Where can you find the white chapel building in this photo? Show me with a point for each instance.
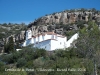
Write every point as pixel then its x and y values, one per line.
pixel 48 40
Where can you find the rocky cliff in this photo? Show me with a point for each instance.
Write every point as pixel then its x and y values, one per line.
pixel 68 16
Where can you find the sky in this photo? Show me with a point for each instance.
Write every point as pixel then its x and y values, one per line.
pixel 26 11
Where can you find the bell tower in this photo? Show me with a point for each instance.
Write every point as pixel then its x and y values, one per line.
pixel 28 34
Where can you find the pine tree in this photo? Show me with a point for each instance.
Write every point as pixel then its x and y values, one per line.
pixel 11 45
pixel 6 47
pixel 88 44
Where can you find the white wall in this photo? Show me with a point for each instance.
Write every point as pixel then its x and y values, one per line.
pixel 28 42
pixel 54 44
pixel 45 45
pixel 59 43
pixel 73 38
pixel 36 39
pixel 40 38
pixel 28 34
pixel 24 44
pixel 32 40
pixel 47 37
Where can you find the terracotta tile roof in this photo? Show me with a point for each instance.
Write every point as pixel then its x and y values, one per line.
pixel 46 40
pixel 62 36
pixel 48 33
pixel 51 33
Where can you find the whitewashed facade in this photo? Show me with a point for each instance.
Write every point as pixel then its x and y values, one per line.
pixel 48 41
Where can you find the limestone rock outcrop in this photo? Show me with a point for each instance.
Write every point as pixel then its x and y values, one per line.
pixel 67 17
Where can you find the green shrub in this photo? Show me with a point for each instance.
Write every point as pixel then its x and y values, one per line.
pixel 21 62
pixel 8 58
pixel 2 66
pixel 29 64
pixel 39 53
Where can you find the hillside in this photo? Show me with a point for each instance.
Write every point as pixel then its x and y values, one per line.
pixel 66 22
pixel 10 29
pixel 83 58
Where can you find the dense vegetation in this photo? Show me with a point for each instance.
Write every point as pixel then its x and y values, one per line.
pixel 34 58
pixel 72 61
pixel 38 58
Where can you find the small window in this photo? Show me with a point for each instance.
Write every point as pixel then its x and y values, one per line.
pixel 60 43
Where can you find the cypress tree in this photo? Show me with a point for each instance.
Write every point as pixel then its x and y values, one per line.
pixel 6 47
pixel 11 44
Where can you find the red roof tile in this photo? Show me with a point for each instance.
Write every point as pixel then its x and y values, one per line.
pixel 48 33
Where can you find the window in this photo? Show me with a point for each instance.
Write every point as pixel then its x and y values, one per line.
pixel 60 43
